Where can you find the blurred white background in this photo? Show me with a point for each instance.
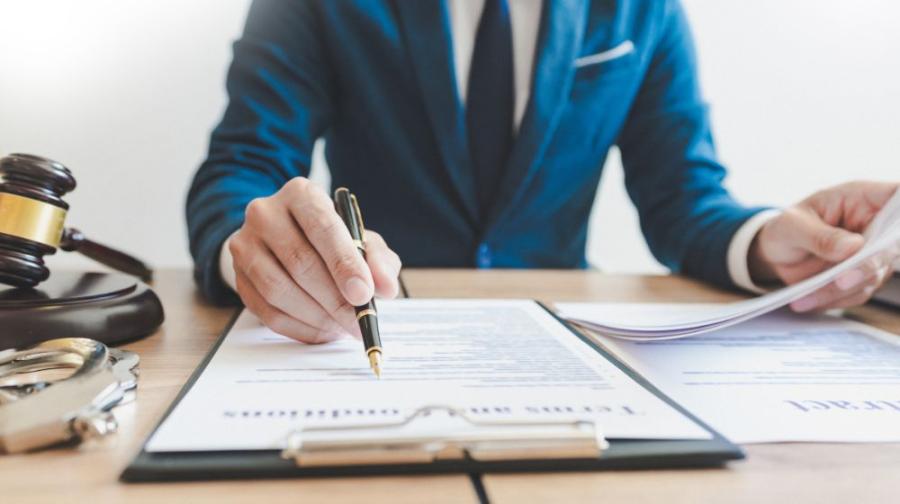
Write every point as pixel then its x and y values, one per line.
pixel 804 94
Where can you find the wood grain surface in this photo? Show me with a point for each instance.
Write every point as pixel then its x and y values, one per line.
pixel 796 473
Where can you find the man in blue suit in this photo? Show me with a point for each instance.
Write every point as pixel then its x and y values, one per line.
pixel 474 132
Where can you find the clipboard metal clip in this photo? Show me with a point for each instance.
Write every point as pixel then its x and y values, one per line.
pixel 439 432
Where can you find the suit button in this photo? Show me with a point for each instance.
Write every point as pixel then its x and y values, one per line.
pixel 483 256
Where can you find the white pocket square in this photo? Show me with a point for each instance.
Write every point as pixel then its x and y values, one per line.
pixel 623 49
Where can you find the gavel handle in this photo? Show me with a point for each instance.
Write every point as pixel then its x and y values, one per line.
pixel 74 240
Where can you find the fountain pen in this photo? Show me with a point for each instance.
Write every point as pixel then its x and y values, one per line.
pixel 367 315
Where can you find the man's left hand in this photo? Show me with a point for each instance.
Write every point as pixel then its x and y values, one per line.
pixel 818 233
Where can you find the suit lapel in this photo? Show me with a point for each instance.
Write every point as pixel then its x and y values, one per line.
pixel 559 40
pixel 426 28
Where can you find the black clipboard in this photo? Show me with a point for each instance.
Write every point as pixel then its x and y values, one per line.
pixel 258 464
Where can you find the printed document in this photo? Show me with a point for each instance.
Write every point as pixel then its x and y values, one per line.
pixel 492 359
pixel 882 234
pixel 780 377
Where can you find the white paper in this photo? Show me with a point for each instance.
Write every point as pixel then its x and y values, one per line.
pixel 494 359
pixel 780 377
pixel 882 234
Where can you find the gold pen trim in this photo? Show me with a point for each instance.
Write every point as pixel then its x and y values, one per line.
pixel 367 311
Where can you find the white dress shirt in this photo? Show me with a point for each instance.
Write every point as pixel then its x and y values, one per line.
pixel 525 18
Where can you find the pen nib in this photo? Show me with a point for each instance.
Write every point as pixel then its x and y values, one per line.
pixel 375 363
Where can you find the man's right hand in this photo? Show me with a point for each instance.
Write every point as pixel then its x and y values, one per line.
pixel 297 268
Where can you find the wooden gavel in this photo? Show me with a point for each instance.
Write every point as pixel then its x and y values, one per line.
pixel 32 223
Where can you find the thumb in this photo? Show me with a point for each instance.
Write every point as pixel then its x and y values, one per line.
pixel 827 242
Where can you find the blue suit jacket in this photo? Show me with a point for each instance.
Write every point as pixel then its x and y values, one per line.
pixel 375 78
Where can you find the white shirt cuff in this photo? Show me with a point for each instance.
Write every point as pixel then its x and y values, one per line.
pixel 226 265
pixel 739 250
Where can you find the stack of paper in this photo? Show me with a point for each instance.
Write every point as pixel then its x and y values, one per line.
pixel 779 377
pixel 882 234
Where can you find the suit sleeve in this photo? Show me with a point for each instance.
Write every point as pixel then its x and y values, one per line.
pixel 672 173
pixel 280 101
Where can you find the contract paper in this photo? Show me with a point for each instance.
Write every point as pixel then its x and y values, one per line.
pixel 780 377
pixel 882 234
pixel 492 359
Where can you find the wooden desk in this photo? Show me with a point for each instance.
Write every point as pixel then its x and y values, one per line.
pixel 802 472
pixel 89 474
pixel 799 473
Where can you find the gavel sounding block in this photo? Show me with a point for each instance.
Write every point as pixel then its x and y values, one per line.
pixel 108 307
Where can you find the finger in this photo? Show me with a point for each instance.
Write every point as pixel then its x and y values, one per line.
pixel 385 265
pixel 831 293
pixel 325 230
pixel 279 290
pixel 855 299
pixel 830 243
pixel 272 317
pixel 853 204
pixel 793 273
pixel 878 193
pixel 304 265
pixel 308 270
pixel 876 266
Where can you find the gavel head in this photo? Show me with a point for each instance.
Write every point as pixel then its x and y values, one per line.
pixel 32 215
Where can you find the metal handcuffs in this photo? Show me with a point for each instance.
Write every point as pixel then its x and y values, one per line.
pixel 37 414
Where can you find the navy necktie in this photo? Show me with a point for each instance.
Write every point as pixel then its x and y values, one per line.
pixel 490 99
